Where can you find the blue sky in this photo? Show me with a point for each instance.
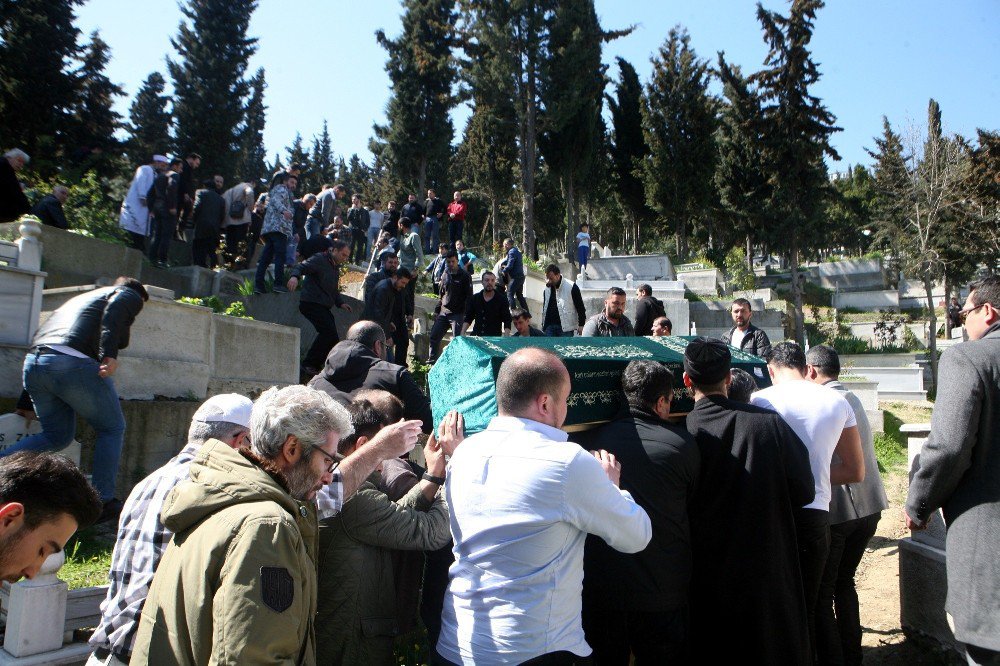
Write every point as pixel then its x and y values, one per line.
pixel 877 57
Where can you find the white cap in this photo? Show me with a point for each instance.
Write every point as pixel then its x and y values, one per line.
pixel 160 158
pixel 228 407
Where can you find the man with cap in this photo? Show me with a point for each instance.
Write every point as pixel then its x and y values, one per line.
pixel 754 473
pixel 134 216
pixel 142 536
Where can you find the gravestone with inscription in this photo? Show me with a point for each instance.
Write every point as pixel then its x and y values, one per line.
pixel 13 430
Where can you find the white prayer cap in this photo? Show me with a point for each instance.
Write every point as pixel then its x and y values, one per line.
pixel 228 407
pixel 161 158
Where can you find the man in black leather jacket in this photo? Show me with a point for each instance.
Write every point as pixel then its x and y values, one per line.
pixel 67 372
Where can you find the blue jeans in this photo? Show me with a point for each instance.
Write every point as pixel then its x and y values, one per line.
pixel 372 240
pixel 275 248
pixel 583 254
pixel 430 235
pixel 516 290
pixel 63 386
pixel 556 331
pixel 313 225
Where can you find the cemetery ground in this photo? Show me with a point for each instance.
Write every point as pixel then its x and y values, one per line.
pixel 89 557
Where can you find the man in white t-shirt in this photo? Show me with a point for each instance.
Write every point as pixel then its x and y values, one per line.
pixel 826 424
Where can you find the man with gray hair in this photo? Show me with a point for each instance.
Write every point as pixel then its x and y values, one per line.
pixel 142 536
pixel 238 581
pixel 13 203
pixel 50 209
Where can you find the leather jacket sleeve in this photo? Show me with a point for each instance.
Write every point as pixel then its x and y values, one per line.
pixel 121 311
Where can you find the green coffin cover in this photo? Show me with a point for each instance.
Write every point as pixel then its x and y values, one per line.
pixel 464 378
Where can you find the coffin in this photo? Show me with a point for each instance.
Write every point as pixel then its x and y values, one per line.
pixel 464 378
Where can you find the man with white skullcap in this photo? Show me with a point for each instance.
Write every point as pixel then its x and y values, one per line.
pixel 142 536
pixel 134 216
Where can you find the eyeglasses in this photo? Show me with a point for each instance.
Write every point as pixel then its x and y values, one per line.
pixel 334 459
pixel 964 314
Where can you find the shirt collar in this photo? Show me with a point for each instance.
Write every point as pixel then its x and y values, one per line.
pixel 513 423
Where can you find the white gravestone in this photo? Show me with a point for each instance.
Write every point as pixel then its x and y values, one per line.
pixel 13 430
pixel 37 611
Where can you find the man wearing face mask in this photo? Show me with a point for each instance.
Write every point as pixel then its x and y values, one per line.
pixel 610 322
pixel 488 309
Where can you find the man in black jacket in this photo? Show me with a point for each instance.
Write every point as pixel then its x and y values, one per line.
pixel 456 292
pixel 488 308
pixel 186 186
pixel 639 603
pixel 356 364
pixel 68 371
pixel 382 308
pixel 50 209
pixel 209 213
pixel 745 336
pixel 320 293
pixel 647 309
pixel 163 199
pixel 13 203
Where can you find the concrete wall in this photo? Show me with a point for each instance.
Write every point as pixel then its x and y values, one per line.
pixel 642 268
pixel 849 274
pixel 867 300
pixel 866 329
pixel 706 281
pixel 250 356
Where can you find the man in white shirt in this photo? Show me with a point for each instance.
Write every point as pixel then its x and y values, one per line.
pixel 523 500
pixel 826 424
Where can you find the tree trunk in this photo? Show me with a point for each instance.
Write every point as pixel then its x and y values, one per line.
pixel 947 300
pixel 682 242
pixel 635 233
pixel 749 253
pixel 932 333
pixel 495 219
pixel 799 321
pixel 528 145
pixel 570 197
pixel 422 175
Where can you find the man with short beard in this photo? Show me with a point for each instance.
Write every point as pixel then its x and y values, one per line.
pixel 488 309
pixel 610 322
pixel 44 499
pixel 238 581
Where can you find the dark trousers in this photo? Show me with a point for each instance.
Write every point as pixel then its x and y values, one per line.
pixel 436 567
pixel 516 291
pixel 360 251
pixel 138 241
pixel 400 344
pixel 980 656
pixel 236 239
pixel 812 529
pixel 441 323
pixel 203 251
pixel 275 249
pixel 653 638
pixel 164 227
pixel 455 228
pixel 838 637
pixel 322 319
pixel 561 658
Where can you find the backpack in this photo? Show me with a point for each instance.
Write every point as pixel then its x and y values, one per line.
pixel 237 208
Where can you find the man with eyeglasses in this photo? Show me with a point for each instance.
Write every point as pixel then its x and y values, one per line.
pixel 957 471
pixel 238 581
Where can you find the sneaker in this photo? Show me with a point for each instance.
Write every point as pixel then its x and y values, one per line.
pixel 111 511
pixel 280 290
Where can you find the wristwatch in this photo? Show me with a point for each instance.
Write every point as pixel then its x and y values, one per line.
pixel 433 479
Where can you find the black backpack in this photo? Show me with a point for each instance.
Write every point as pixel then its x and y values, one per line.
pixel 237 208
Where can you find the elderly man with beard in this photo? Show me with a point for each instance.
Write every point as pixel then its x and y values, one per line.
pixel 610 322
pixel 488 309
pixel 238 581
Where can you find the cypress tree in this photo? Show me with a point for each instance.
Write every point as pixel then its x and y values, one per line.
pixel 415 144
pixel 798 137
pixel 321 161
pixel 94 121
pixel 209 85
pixel 627 148
pixel 149 122
pixel 679 122
pixel 250 137
pixel 38 91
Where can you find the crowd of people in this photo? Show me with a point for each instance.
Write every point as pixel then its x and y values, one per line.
pixel 295 528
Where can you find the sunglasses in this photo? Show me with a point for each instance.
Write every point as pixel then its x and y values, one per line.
pixel 964 314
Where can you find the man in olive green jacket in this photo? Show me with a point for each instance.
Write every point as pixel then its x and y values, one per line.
pixel 357 617
pixel 237 585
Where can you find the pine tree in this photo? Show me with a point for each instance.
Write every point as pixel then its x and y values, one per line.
pixel 209 85
pixel 415 144
pixel 149 122
pixel 798 137
pixel 983 186
pixel 679 122
pixel 38 91
pixel 92 141
pixel 322 168
pixel 296 153
pixel 628 148
pixel 572 92
pixel 251 164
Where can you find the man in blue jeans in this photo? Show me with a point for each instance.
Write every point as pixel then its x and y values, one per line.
pixel 68 371
pixel 276 232
pixel 513 270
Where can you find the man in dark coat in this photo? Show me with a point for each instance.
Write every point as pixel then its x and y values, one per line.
pixel 381 309
pixel 356 364
pixel 186 186
pixel 50 209
pixel 747 601
pixel 647 309
pixel 744 335
pixel 456 292
pixel 208 214
pixel 320 293
pixel 958 470
pixel 13 203
pixel 488 309
pixel 638 603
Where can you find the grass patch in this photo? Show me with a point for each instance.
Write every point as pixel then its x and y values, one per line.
pixel 88 559
pixel 890 446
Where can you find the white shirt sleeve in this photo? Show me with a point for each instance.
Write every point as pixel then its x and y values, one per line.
pixel 851 420
pixel 597 506
pixel 330 498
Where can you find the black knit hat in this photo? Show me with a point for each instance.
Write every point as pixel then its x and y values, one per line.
pixel 707 361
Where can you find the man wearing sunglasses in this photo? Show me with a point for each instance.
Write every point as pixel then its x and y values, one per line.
pixel 958 469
